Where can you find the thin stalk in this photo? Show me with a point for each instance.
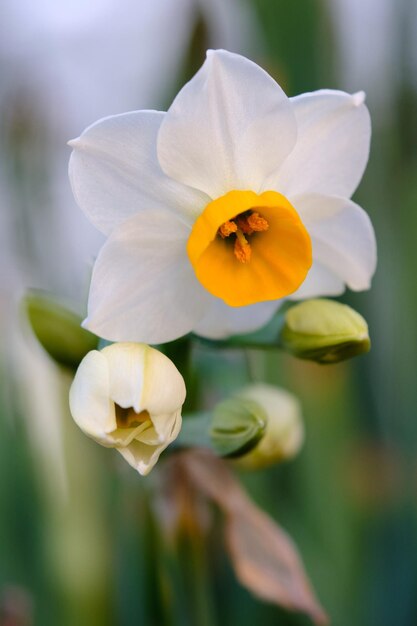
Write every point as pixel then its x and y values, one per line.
pixel 197 580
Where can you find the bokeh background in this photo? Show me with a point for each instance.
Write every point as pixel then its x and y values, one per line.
pixel 77 543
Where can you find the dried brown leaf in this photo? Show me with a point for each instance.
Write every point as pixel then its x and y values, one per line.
pixel 265 559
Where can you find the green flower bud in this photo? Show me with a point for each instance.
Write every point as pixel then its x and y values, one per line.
pixel 232 428
pixel 284 432
pixel 237 425
pixel 325 331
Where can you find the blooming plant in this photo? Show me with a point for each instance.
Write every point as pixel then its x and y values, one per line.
pixel 234 202
pixel 234 199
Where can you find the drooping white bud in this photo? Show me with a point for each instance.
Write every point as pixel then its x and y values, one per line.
pixel 129 396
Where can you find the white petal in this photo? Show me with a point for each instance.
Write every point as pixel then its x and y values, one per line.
pixel 332 148
pixel 150 436
pixel 168 426
pixel 114 171
pixel 89 400
pixel 229 128
pixel 164 430
pixel 126 365
pixel 141 456
pixel 342 236
pixel 122 437
pixel 164 388
pixel 222 321
pixel 320 281
pixel 143 286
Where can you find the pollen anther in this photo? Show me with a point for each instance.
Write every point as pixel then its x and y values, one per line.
pixel 243 224
pixel 256 222
pixel 227 229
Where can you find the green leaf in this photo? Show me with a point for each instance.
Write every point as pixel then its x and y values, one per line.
pixel 58 329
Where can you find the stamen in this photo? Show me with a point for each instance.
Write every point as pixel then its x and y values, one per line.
pixel 245 223
pixel 227 229
pixel 257 223
pixel 242 248
pixel 252 223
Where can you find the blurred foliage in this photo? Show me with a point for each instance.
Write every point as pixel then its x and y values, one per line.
pixel 96 556
pixel 58 329
pixel 296 43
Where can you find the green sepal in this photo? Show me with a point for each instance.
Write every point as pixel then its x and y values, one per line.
pixel 58 329
pixel 238 424
pixel 232 429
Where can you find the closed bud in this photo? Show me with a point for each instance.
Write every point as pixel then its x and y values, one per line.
pixel 237 425
pixel 129 396
pixel 58 329
pixel 284 429
pixel 324 331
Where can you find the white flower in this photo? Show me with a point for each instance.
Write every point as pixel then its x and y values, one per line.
pixel 235 198
pixel 129 396
pixel 284 433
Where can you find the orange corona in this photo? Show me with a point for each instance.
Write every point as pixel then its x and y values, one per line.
pixel 247 247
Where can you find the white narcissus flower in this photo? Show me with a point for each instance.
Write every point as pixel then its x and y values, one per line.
pixel 235 198
pixel 284 432
pixel 129 396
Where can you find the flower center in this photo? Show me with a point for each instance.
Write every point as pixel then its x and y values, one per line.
pixel 128 418
pixel 247 248
pixel 246 223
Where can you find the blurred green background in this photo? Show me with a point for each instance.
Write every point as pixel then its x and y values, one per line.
pixel 78 544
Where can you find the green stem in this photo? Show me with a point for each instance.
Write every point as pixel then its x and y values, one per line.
pixel 178 579
pixel 267 338
pixel 197 578
pixel 195 431
pixel 160 596
pixel 180 352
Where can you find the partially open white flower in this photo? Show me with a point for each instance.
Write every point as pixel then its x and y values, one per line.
pixel 235 198
pixel 129 396
pixel 284 432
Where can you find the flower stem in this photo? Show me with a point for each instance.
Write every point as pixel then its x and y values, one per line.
pixel 180 352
